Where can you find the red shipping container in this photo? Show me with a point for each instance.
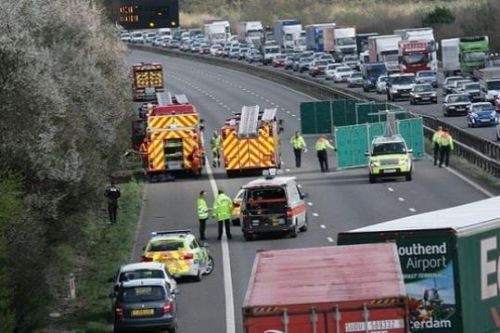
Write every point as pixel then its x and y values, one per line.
pixel 343 289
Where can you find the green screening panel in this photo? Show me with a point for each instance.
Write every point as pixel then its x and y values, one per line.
pixel 352 143
pixel 344 112
pixel 413 133
pixel 316 117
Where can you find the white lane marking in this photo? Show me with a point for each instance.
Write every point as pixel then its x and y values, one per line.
pixel 299 186
pixel 293 115
pixel 390 189
pixel 322 226
pixel 315 214
pixel 413 210
pixel 471 182
pixel 226 264
pixel 310 203
pixel 287 170
pixel 330 239
pixel 401 199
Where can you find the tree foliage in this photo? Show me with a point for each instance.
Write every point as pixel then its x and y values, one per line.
pixel 63 88
pixel 440 15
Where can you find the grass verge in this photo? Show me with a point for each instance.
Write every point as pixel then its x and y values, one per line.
pixel 111 249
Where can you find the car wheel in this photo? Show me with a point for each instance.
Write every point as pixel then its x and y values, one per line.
pixel 305 226
pixel 408 176
pixel 210 266
pixel 247 236
pixel 172 330
pixel 197 278
pixel 293 232
pixel 116 329
pixel 372 178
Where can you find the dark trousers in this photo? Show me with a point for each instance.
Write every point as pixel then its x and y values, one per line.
pixel 216 159
pixel 227 226
pixel 323 160
pixel 203 225
pixel 297 153
pixel 436 154
pixel 112 211
pixel 444 155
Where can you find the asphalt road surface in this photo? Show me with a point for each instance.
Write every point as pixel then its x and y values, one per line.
pixel 338 201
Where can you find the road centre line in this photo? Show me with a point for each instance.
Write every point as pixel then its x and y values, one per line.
pixel 330 239
pixel 390 189
pixel 413 210
pixel 401 199
pixel 226 263
pixel 322 226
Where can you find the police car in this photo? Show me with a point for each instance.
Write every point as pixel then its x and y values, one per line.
pixel 181 252
pixel 389 157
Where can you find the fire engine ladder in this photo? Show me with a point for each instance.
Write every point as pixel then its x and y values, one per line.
pixel 269 115
pixel 164 98
pixel 181 99
pixel 249 121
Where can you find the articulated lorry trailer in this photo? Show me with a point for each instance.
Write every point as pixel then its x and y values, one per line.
pixel 385 48
pixel 335 289
pixel 450 262
pixel 464 55
pixel 315 39
pixel 340 41
pixel 286 32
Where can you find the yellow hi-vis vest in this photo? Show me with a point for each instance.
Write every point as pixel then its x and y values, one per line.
pixel 202 208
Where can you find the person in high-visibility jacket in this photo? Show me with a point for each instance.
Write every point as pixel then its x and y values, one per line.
pixel 298 145
pixel 202 211
pixel 435 143
pixel 322 144
pixel 445 147
pixel 215 145
pixel 222 209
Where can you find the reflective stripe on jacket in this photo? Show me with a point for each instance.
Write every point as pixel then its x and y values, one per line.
pixel 298 142
pixel 202 208
pixel 223 205
pixel 322 144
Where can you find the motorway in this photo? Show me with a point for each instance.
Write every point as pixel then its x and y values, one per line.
pixel 338 201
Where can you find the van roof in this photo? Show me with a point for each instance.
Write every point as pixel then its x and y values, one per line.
pixel 141 265
pixel 264 182
pixel 463 219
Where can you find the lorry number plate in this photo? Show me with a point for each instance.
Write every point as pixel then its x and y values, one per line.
pixel 374 325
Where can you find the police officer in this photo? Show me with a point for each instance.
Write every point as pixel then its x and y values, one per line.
pixel 322 144
pixel 202 211
pixel 445 146
pixel 222 213
pixel 215 145
pixel 112 193
pixel 298 144
pixel 435 142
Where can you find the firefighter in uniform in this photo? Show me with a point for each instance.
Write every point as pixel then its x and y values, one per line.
pixel 215 145
pixel 298 145
pixel 435 143
pixel 445 147
pixel 202 210
pixel 112 193
pixel 322 144
pixel 222 213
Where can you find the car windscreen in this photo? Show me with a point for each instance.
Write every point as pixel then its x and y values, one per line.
pixel 141 274
pixel 484 107
pixel 401 79
pixel 471 86
pixel 493 85
pixel 165 245
pixel 422 88
pixel 458 99
pixel 356 75
pixel 389 148
pixel 141 294
pixel 344 69
pixel 265 194
pixel 426 74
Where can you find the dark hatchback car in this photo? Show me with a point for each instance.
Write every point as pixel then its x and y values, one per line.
pixel 144 305
pixel 423 93
pixel 456 104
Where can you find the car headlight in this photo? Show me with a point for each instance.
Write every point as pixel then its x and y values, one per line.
pixel 416 95
pixel 433 94
pixel 404 160
pixel 375 164
pixel 474 115
pixel 451 107
pixel 393 91
pixel 493 114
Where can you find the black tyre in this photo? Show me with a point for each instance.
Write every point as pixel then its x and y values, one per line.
pixel 293 233
pixel 197 278
pixel 305 226
pixel 372 179
pixel 247 236
pixel 408 176
pixel 210 266
pixel 172 330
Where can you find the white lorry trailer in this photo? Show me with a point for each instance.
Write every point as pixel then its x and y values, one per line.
pixel 385 48
pixel 422 34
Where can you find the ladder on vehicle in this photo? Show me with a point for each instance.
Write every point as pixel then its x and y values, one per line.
pixel 249 121
pixel 164 98
pixel 269 115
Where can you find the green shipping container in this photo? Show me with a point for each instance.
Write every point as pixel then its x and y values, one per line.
pixel 450 260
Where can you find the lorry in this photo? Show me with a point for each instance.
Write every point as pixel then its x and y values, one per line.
pixel 217 32
pixel 371 72
pixel 169 137
pixel 362 41
pixel 315 36
pixel 420 34
pixel 385 48
pixel 414 56
pixel 449 258
pixel 269 52
pixel 250 32
pixel 340 41
pixel 489 81
pixel 147 80
pixel 250 141
pixel 335 289
pixel 449 56
pixel 286 31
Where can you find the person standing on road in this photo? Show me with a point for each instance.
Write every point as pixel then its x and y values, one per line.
pixel 112 193
pixel 298 145
pixel 322 144
pixel 445 147
pixel 215 145
pixel 222 213
pixel 435 143
pixel 202 210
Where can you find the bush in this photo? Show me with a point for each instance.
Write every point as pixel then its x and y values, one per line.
pixel 440 15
